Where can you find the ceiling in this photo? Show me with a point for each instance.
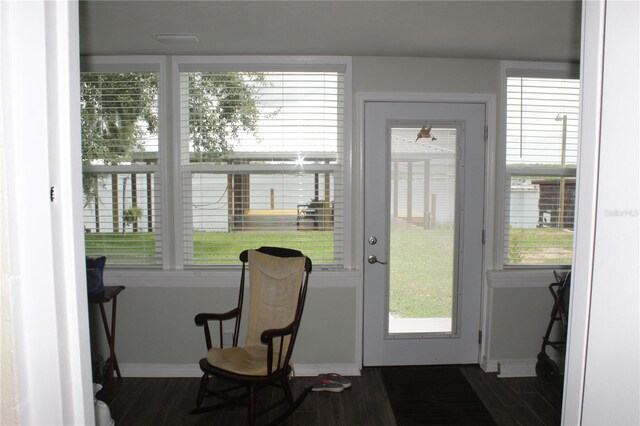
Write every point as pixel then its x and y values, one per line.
pixel 507 30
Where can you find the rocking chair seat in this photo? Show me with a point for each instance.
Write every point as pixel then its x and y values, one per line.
pixel 247 361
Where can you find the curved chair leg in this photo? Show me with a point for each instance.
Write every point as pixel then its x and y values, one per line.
pixel 252 405
pixel 287 389
pixel 204 381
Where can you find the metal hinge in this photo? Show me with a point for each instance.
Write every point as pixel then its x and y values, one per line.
pixel 479 337
pixel 486 133
pixel 484 236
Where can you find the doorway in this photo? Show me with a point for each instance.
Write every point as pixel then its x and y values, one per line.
pixel 423 224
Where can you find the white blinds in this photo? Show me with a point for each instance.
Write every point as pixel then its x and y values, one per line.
pixel 542 122
pixel 119 113
pixel 262 164
pixel 541 154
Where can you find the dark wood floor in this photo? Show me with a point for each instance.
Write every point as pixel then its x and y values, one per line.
pixel 525 401
pixel 166 401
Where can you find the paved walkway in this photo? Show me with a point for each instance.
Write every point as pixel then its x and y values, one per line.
pixel 419 325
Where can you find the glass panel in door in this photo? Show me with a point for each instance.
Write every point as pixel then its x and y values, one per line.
pixel 422 281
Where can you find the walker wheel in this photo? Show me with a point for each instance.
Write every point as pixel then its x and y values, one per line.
pixel 546 368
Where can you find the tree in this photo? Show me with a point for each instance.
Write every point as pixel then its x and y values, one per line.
pixel 112 106
pixel 220 106
pixel 118 108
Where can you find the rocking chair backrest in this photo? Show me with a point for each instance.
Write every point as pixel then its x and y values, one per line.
pixel 277 289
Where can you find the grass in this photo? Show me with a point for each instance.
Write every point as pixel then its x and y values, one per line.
pixel 209 248
pixel 421 273
pixel 540 246
pixel 224 247
pixel 131 248
pixel 421 270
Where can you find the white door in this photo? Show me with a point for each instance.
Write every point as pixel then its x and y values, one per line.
pixel 424 198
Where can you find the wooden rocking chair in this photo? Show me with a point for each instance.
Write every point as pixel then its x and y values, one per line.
pixel 278 287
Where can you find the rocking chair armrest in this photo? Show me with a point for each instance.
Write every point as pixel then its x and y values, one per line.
pixel 269 335
pixel 277 356
pixel 203 318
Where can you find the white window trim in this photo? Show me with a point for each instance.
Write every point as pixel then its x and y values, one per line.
pixel 261 63
pixel 145 63
pixel 511 69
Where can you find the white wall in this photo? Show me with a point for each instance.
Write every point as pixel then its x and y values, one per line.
pixel 42 270
pixel 602 386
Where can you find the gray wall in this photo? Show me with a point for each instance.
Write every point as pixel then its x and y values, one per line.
pixel 155 325
pixel 425 75
pixel 156 333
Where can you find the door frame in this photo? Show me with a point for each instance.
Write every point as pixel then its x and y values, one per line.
pixel 489 100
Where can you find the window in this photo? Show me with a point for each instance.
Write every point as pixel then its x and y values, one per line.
pixel 262 162
pixel 119 116
pixel 256 158
pixel 540 156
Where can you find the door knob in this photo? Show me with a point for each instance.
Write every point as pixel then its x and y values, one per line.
pixel 373 259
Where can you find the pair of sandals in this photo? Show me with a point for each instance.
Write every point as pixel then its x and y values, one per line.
pixel 330 382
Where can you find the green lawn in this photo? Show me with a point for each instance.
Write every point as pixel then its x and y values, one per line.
pixel 421 273
pixel 210 248
pixel 132 248
pixel 540 246
pixel 224 247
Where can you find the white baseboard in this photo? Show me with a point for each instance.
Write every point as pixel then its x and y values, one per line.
pixel 523 367
pixel 193 370
pixel 311 370
pixel 517 368
pixel 489 365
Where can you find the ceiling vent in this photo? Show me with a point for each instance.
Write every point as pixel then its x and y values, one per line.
pixel 177 37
